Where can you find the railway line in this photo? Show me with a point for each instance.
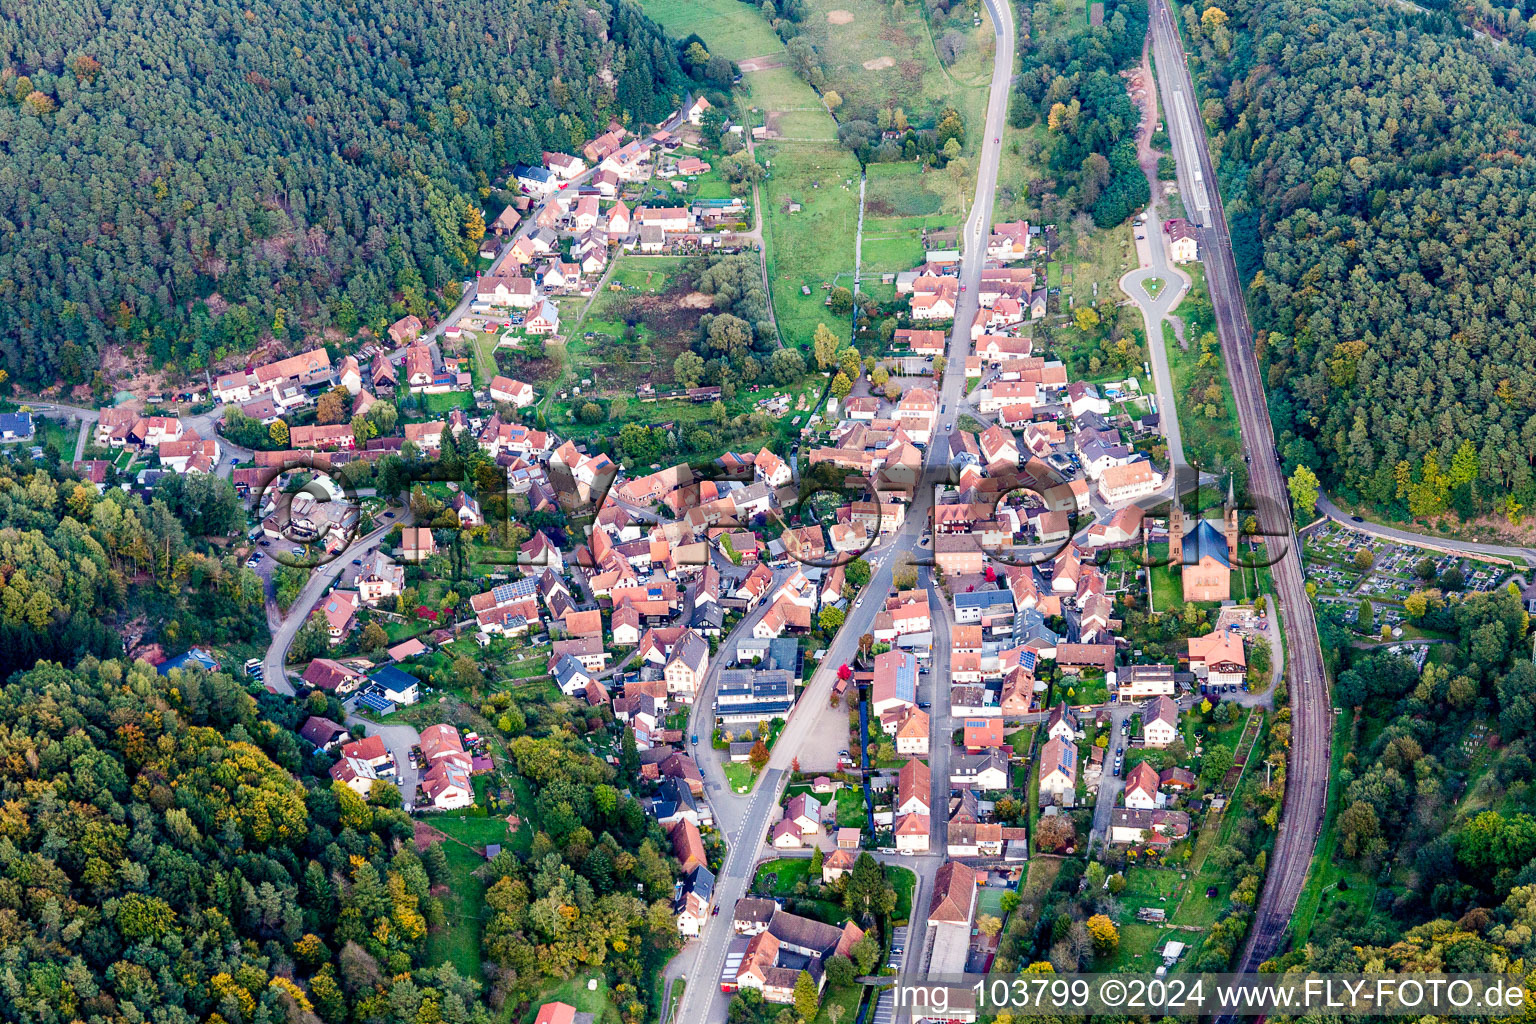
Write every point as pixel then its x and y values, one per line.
pixel 1302 813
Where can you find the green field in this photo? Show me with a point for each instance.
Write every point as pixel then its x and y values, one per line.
pixel 464 903
pixel 814 246
pixel 730 28
pixel 847 997
pixel 575 992
pixel 878 56
pixel 643 273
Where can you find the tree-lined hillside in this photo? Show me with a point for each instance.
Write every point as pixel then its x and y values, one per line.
pixel 1071 81
pixel 80 570
pixel 1379 175
pixel 292 163
pixel 158 861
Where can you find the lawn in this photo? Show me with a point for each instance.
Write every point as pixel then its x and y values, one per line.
pixel 789 872
pixel 813 247
pixel 575 992
pixel 729 28
pixel 641 273
pixel 740 775
pixel 847 997
pixel 464 902
pixel 904 882
pixel 850 808
pixel 437 405
pixel 459 942
pixel 1137 943
pixel 887 252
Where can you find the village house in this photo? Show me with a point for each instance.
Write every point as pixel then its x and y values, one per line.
pixel 1218 658
pixel 416 544
pixel 1182 245
pixel 786 946
pixel 1058 770
pixel 362 763
pixel 1160 723
pixel 515 393
pixel 380 578
pixel 1141 787
pixel 1120 484
pixel 340 611
pixel 333 677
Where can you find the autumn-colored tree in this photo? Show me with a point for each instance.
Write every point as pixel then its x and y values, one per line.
pixel 1106 937
pixel 374 638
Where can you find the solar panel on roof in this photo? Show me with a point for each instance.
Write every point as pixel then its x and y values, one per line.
pixel 374 702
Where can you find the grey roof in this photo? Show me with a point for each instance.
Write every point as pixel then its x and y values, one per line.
pixel 978 763
pixel 984 599
pixel 567 669
pixel 741 684
pixel 692 650
pixel 754 910
pixel 702 883
pixel 1205 539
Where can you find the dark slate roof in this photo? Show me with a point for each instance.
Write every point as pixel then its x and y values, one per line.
pixel 1205 539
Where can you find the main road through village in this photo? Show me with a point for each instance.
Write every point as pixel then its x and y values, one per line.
pixel 1307 769
pixel 702 1000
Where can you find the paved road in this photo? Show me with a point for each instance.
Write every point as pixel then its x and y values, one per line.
pixel 1152 254
pixel 1110 784
pixel 274 673
pixel 205 423
pixel 1307 774
pixel 729 806
pixel 1517 554
pixel 702 1001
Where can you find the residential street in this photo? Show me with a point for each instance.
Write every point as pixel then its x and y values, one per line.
pixel 1154 264
pixel 274 664
pixel 702 1001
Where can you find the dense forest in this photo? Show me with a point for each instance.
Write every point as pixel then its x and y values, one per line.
pixel 1436 814
pixel 1379 181
pixel 159 861
pixel 1072 82
pixel 79 570
pixel 190 177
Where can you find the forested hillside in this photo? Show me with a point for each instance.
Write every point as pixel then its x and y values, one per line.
pixel 1072 82
pixel 293 163
pixel 79 570
pixel 1378 173
pixel 1435 862
pixel 158 861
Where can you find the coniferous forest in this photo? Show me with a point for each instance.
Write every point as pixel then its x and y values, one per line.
pixel 183 177
pixel 1377 168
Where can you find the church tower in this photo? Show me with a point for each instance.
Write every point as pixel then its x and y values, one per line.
pixel 1231 523
pixel 1176 533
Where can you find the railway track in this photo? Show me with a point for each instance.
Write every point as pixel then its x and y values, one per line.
pixel 1302 812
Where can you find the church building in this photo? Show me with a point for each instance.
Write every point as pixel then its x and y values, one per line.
pixel 1204 553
